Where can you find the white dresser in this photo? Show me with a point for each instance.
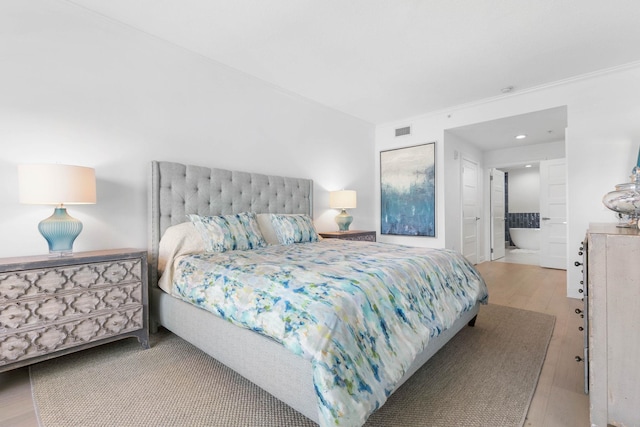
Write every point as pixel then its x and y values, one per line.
pixel 613 273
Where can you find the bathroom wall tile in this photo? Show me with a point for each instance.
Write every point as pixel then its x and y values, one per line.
pixel 521 220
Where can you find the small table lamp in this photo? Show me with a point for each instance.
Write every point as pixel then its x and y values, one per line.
pixel 343 199
pixel 52 184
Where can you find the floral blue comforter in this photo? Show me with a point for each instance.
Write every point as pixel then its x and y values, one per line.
pixel 359 311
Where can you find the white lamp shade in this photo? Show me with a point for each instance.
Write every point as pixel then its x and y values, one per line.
pixel 343 199
pixel 53 184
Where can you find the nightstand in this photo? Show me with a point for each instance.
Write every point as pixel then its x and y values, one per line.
pixel 54 306
pixel 366 236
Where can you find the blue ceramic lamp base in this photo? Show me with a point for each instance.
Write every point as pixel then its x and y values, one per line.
pixel 60 230
pixel 344 220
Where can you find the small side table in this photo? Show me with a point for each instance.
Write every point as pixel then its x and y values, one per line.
pixel 365 236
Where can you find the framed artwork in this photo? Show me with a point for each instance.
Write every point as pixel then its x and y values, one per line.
pixel 408 191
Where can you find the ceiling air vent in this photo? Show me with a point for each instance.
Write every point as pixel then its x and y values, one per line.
pixel 403 131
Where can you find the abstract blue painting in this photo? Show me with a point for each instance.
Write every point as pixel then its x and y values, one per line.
pixel 408 191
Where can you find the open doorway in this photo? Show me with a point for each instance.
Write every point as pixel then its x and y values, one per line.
pixel 519 217
pixel 507 145
pixel 535 213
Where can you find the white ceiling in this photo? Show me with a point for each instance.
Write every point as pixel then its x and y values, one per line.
pixel 384 60
pixel 539 127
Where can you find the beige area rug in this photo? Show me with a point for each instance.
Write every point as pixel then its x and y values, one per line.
pixel 485 376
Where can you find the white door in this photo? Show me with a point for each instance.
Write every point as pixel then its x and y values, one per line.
pixel 497 214
pixel 470 210
pixel 553 214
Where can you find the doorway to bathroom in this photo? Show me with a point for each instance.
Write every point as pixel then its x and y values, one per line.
pixel 534 219
pixel 509 144
pixel 505 144
pixel 518 218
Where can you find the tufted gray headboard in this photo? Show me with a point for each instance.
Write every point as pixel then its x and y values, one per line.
pixel 176 190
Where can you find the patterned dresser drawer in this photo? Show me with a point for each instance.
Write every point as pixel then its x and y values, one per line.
pixel 53 306
pixel 365 236
pixel 64 279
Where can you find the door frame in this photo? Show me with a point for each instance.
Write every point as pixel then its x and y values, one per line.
pixel 492 215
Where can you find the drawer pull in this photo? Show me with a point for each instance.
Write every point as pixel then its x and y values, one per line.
pixel 577 263
pixel 578 359
pixel 581 290
pixel 580 328
pixel 578 311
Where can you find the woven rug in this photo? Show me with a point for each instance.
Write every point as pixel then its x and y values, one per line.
pixel 485 376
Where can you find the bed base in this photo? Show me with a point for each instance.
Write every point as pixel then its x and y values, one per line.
pixel 289 377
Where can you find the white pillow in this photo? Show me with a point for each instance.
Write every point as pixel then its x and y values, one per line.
pixel 176 242
pixel 268 232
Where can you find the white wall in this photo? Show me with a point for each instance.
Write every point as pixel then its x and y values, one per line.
pixel 76 88
pixel 602 140
pixel 524 190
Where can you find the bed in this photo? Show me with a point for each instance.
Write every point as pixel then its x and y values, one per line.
pixel 177 191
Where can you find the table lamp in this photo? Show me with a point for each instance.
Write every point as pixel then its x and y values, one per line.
pixel 53 184
pixel 343 200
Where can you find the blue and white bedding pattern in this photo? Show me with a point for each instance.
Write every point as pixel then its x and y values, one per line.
pixel 360 312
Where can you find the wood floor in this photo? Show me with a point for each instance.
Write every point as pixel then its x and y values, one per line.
pixel 558 401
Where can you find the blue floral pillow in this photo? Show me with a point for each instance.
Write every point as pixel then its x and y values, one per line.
pixel 294 229
pixel 229 232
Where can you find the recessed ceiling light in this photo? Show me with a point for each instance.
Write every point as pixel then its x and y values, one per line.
pixel 527 166
pixel 521 136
